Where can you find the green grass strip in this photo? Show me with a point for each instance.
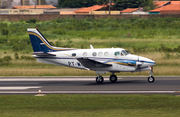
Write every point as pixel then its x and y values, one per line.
pixel 89 105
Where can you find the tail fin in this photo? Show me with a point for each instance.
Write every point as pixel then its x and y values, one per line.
pixel 39 42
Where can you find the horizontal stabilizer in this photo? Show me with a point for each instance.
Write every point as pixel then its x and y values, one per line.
pixel 89 63
pixel 43 54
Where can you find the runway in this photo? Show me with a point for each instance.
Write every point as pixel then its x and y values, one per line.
pixel 87 85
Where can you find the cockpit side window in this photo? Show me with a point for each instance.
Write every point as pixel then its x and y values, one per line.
pixel 116 53
pixel 124 53
pixel 127 52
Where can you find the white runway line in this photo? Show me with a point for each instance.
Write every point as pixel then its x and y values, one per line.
pixel 19 88
pixel 88 92
pixel 109 92
pixel 52 79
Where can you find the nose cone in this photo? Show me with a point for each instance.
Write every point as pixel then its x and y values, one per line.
pixel 146 61
pixel 152 63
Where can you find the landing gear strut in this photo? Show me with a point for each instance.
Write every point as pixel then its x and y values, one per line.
pixel 99 79
pixel 151 79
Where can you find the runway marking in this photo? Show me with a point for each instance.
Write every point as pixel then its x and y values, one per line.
pixel 18 88
pixel 88 92
pixel 108 92
pixel 52 79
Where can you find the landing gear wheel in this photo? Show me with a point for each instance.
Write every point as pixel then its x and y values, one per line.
pixel 113 78
pixel 151 79
pixel 99 79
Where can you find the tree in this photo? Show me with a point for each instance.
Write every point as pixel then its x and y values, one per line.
pixel 123 4
pixel 148 5
pixel 119 4
pixel 76 3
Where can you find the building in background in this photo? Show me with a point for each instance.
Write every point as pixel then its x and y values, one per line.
pixel 173 7
pixel 101 9
pixel 133 11
pixel 8 4
pixel 35 7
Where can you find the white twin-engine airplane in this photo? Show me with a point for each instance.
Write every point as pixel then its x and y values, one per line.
pixel 100 60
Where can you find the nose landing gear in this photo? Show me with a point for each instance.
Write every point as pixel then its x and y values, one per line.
pixel 151 79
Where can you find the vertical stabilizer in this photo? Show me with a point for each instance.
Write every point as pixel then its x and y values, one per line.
pixel 40 44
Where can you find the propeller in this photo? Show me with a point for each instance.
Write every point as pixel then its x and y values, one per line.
pixel 138 63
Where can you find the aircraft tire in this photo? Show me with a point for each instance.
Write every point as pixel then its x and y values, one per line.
pixel 99 80
pixel 151 79
pixel 113 78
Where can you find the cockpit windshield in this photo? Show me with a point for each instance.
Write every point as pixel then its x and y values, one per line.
pixel 124 53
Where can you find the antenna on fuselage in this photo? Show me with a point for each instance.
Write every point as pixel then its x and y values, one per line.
pixel 91 47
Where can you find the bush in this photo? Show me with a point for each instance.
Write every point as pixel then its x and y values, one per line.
pixel 3 40
pixel 59 32
pixel 5 32
pixel 16 56
pixel 32 21
pixel 27 57
pixel 5 60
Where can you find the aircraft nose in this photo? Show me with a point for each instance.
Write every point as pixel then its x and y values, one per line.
pixel 153 63
pixel 147 61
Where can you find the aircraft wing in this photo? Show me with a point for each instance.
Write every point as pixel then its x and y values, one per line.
pixel 43 54
pixel 90 63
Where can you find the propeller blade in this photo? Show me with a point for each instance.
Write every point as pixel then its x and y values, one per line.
pixel 138 64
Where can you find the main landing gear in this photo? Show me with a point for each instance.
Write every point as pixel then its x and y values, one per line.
pixel 100 79
pixel 113 78
pixel 151 79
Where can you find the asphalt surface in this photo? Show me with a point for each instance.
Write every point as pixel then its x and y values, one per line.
pixel 88 85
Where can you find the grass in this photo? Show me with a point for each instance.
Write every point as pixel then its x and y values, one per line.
pixel 65 71
pixel 22 67
pixel 90 105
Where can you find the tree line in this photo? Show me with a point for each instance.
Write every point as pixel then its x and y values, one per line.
pixel 119 4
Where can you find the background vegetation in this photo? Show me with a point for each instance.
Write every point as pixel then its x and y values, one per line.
pixel 61 32
pixel 119 4
pixel 155 38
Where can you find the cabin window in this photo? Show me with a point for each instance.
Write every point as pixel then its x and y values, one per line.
pixel 116 53
pixel 100 54
pixel 73 54
pixel 106 53
pixel 94 53
pixel 85 54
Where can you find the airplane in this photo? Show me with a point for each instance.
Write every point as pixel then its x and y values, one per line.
pixel 101 61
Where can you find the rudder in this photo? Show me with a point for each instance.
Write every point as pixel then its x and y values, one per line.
pixel 38 41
